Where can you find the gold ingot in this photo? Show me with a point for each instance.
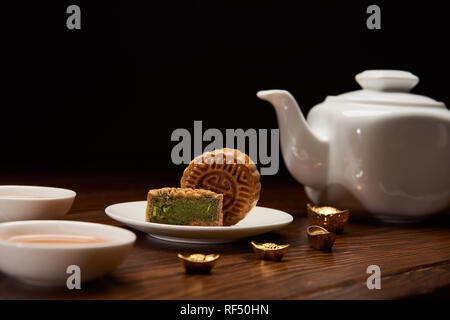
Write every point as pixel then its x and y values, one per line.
pixel 270 251
pixel 320 238
pixel 329 218
pixel 198 262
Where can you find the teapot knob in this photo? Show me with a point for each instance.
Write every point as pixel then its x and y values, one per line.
pixel 387 80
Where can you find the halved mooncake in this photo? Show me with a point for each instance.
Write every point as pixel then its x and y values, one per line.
pixel 229 172
pixel 184 206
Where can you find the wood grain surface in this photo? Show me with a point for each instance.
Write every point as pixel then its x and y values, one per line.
pixel 414 259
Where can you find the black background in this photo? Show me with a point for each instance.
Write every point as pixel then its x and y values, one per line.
pixel 278 309
pixel 110 95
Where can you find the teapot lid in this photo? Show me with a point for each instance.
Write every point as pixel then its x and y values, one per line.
pixel 388 87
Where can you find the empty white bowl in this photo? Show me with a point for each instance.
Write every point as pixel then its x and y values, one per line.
pixel 47 264
pixel 34 203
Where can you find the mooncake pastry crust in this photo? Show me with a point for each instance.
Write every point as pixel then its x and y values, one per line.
pixel 184 193
pixel 229 172
pixel 187 193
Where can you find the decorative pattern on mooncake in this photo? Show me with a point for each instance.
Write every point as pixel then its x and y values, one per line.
pixel 184 206
pixel 229 172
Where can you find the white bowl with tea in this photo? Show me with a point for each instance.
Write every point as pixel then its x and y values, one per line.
pixel 34 203
pixel 49 252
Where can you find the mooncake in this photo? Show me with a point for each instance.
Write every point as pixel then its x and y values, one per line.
pixel 184 206
pixel 229 172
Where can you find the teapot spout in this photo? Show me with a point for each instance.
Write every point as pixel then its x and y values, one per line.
pixel 305 154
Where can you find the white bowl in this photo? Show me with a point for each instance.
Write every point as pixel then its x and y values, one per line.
pixel 34 203
pixel 46 264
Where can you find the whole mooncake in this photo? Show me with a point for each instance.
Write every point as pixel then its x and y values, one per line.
pixel 229 172
pixel 184 206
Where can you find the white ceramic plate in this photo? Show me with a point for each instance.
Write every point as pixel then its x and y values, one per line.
pixel 258 221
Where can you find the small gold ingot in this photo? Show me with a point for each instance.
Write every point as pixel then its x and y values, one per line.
pixel 270 251
pixel 198 262
pixel 320 238
pixel 329 218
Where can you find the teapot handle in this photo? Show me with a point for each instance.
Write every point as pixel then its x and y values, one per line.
pixel 387 80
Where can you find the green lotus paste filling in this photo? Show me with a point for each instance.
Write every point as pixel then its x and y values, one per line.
pixel 183 210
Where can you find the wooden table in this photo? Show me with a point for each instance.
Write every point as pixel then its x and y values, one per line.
pixel 414 259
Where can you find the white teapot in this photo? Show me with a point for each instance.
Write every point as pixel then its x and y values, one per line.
pixel 380 151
